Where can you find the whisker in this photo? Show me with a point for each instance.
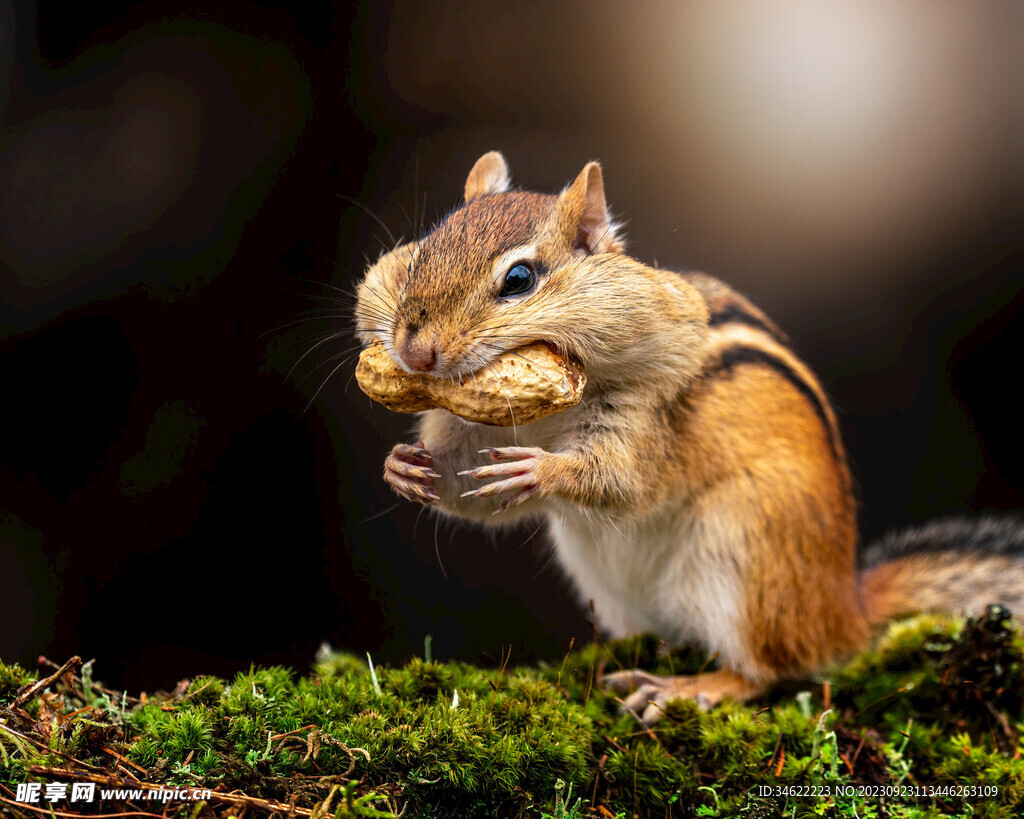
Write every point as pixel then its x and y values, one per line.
pixel 302 357
pixel 423 214
pixel 437 547
pixel 380 514
pixel 314 338
pixel 345 355
pixel 341 364
pixel 388 307
pixel 373 311
pixel 372 215
pixel 416 523
pixel 303 320
pixel 547 560
pixel 328 285
pixel 408 218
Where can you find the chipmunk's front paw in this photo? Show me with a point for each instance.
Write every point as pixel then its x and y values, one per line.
pixel 407 470
pixel 519 468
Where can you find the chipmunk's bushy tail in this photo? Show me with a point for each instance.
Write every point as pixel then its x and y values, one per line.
pixel 954 565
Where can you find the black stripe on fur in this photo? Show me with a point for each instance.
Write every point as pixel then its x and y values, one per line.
pixel 735 313
pixel 739 356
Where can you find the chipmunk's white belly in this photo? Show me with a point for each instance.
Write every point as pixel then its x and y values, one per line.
pixel 676 575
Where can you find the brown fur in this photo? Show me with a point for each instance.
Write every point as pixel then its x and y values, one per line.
pixel 697 416
pixel 754 445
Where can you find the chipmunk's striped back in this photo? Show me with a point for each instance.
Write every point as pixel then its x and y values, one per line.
pixel 742 335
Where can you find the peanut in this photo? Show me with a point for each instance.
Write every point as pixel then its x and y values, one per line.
pixel 519 386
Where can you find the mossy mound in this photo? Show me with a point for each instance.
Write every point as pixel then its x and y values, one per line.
pixel 927 725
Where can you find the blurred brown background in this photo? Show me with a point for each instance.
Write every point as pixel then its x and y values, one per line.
pixel 171 183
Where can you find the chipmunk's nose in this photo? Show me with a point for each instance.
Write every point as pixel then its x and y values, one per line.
pixel 418 354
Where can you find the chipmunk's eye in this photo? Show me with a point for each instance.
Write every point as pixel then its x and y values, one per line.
pixel 520 279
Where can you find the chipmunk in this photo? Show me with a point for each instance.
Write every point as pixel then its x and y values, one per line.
pixel 700 490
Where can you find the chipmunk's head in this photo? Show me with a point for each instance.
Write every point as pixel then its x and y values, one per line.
pixel 499 272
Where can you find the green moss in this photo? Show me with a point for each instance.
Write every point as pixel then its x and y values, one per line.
pixel 440 732
pixel 12 677
pixel 205 690
pixel 936 704
pixel 145 752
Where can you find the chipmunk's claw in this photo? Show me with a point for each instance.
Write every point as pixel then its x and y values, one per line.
pixel 408 471
pixel 646 697
pixel 517 467
pixel 513 453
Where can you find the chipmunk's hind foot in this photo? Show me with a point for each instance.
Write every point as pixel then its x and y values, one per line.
pixel 648 693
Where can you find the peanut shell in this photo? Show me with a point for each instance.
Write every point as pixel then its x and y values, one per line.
pixel 519 386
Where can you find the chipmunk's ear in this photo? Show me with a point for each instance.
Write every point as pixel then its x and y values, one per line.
pixel 583 214
pixel 489 175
